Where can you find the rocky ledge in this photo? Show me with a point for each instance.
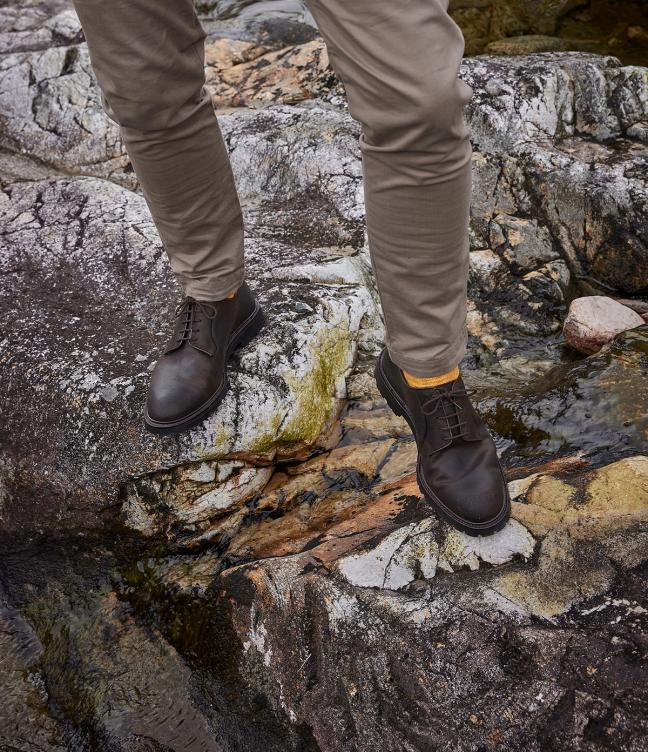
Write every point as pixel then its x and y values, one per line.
pixel 273 579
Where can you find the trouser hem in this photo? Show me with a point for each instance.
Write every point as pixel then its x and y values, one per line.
pixel 211 291
pixel 435 366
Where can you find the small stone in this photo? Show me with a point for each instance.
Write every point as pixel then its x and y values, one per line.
pixel 108 394
pixel 595 320
pixel 638 131
pixel 485 268
pixel 301 307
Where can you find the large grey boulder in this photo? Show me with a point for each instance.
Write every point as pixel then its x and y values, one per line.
pixel 95 294
pixel 559 132
pixel 556 138
pixel 38 25
pixel 87 304
pixel 50 110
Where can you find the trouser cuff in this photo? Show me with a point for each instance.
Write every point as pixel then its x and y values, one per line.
pixel 217 289
pixel 435 366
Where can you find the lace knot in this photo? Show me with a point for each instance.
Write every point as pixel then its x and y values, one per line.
pixel 446 400
pixel 190 314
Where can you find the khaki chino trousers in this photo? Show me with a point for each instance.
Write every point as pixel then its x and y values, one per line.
pixel 398 61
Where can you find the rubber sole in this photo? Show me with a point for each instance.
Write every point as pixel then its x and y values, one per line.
pixel 240 338
pixel 398 407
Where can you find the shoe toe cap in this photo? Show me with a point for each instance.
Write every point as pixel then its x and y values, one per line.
pixel 175 394
pixel 472 496
pixel 476 506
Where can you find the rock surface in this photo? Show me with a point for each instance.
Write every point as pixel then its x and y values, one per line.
pixel 537 122
pixel 274 580
pixel 593 321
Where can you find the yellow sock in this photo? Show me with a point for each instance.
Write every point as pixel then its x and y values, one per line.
pixel 416 382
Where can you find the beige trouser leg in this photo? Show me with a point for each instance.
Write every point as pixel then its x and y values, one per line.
pixel 148 58
pixel 399 64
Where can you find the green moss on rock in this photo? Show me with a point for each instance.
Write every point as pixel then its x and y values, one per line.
pixel 312 394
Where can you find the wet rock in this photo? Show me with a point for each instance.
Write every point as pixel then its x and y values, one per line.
pixel 595 320
pixel 533 25
pixel 362 385
pixel 367 598
pixel 542 415
pixel 26 722
pixel 370 421
pixel 526 44
pixel 601 502
pixel 336 625
pixel 115 679
pixel 486 269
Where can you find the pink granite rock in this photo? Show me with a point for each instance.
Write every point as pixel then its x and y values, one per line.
pixel 594 320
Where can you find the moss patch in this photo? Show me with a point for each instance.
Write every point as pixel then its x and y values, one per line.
pixel 313 394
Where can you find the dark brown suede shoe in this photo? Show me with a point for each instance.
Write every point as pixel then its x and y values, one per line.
pixel 190 379
pixel 458 470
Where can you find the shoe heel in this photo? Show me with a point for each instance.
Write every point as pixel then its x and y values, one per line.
pixel 250 331
pixel 385 393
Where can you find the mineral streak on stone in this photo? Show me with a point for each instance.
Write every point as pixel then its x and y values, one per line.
pixel 411 552
pixel 242 74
